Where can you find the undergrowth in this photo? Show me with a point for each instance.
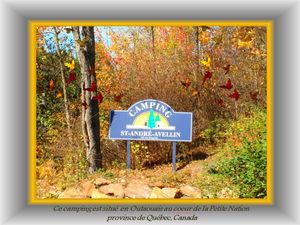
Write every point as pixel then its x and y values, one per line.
pixel 240 165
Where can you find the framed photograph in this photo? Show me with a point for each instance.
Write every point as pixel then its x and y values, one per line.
pixel 151 112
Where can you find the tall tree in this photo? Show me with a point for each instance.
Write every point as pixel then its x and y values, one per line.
pixel 63 80
pixel 196 31
pixel 85 49
pixel 153 50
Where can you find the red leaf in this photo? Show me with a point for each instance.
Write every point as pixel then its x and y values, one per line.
pixel 221 103
pixel 98 97
pixel 72 77
pixel 235 95
pixel 84 104
pixel 92 88
pixel 228 85
pixel 118 98
pixel 254 95
pixel 207 75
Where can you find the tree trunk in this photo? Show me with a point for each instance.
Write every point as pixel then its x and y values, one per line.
pixel 83 124
pixel 85 48
pixel 197 47
pixel 153 50
pixel 63 81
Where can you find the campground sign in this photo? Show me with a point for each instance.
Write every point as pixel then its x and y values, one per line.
pixel 150 120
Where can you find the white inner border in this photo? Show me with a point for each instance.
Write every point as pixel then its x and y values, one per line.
pixel 14 136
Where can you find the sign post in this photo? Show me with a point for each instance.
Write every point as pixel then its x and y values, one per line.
pixel 174 155
pixel 150 120
pixel 128 154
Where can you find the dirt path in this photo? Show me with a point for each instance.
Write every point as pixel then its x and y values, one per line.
pixel 163 174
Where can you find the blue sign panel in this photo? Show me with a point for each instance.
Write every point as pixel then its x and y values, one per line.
pixel 150 120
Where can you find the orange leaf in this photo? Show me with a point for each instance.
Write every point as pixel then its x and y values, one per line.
pixel 59 94
pixel 186 83
pixel 51 84
pixel 195 93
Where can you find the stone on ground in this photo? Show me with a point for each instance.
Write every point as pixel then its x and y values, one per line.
pixel 86 188
pixel 137 190
pixel 157 193
pixel 96 194
pixel 101 181
pixel 113 189
pixel 190 191
pixel 72 193
pixel 158 184
pixel 172 192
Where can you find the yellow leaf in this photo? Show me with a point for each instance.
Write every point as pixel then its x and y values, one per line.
pixel 59 94
pixel 204 37
pixel 251 32
pixel 71 65
pixel 245 44
pixel 81 43
pixel 206 63
pixel 218 39
pixel 247 38
pixel 195 93
pixel 255 51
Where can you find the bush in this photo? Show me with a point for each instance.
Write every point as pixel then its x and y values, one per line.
pixel 247 170
pixel 213 133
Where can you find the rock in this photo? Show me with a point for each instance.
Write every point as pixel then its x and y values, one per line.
pixel 113 189
pixel 72 193
pixel 96 194
pixel 137 181
pixel 123 181
pixel 101 181
pixel 137 190
pixel 190 191
pixel 158 184
pixel 157 193
pixel 186 197
pixel 172 192
pixel 86 188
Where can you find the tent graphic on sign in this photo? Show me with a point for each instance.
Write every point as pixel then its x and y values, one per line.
pixel 150 120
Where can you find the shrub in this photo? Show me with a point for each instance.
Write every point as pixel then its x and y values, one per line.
pixel 248 168
pixel 213 133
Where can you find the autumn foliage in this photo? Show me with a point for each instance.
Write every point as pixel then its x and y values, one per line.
pixel 218 73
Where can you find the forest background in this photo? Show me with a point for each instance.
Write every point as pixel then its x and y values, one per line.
pixel 216 72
